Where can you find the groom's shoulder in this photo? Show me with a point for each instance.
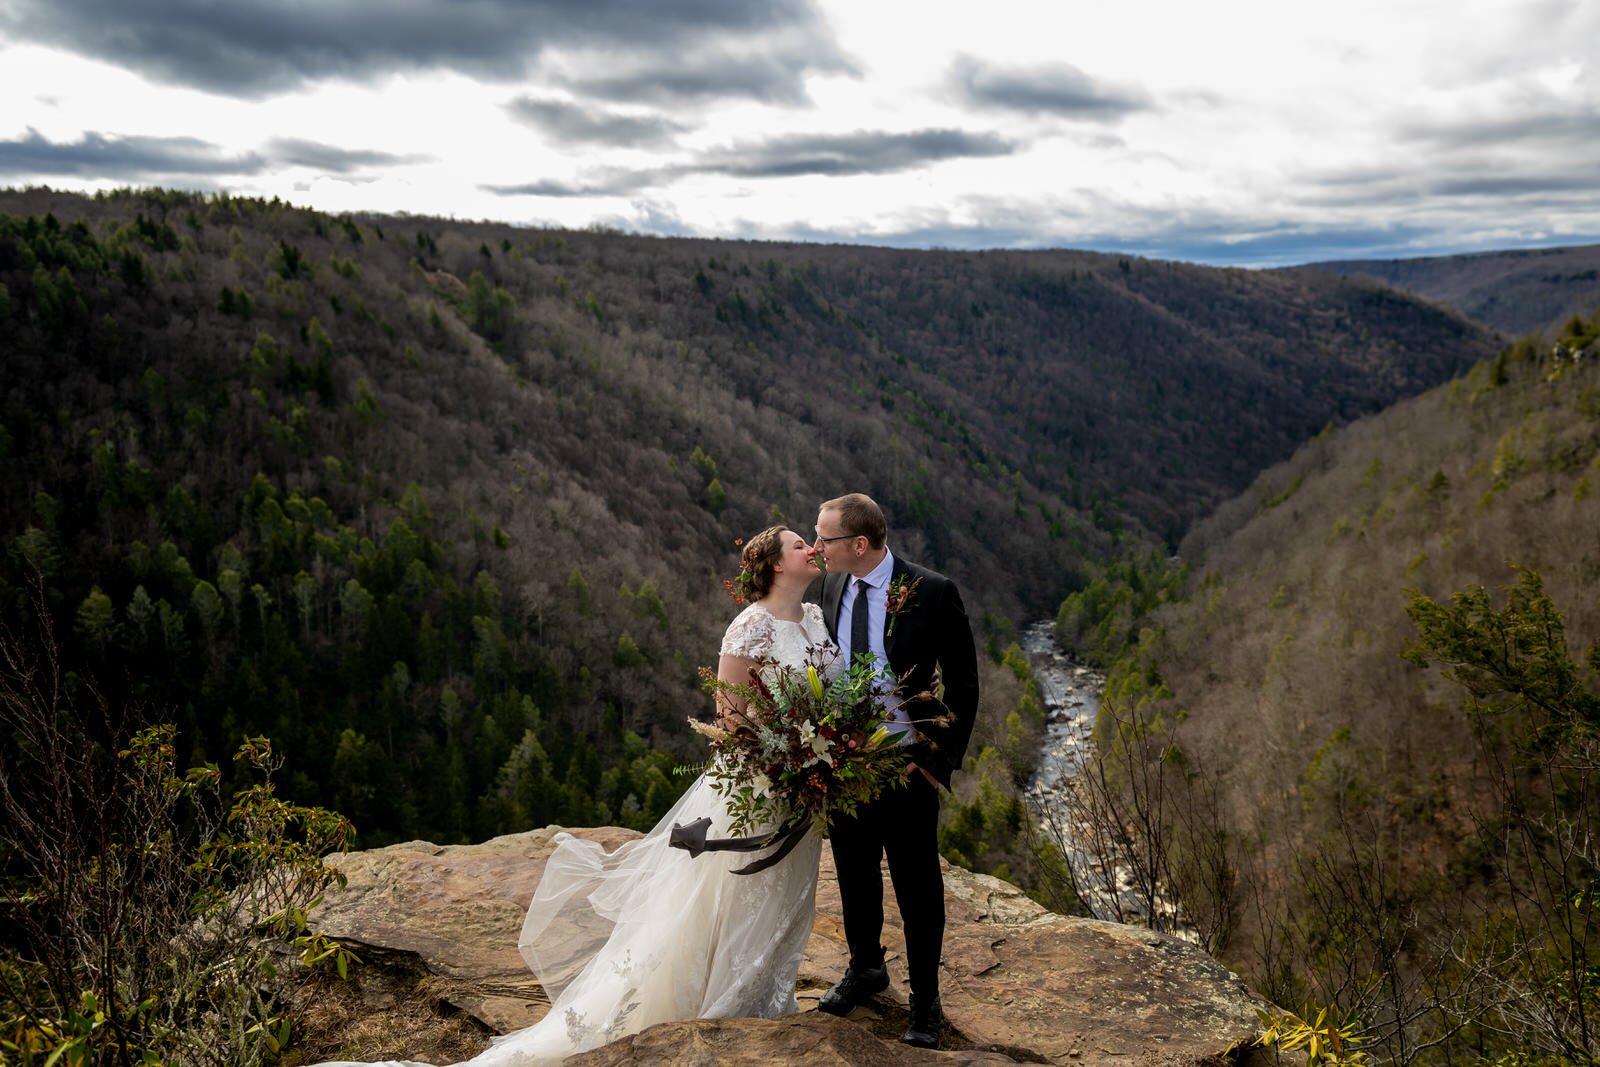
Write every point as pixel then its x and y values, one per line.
pixel 924 574
pixel 917 570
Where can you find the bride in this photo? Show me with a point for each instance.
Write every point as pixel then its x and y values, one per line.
pixel 648 933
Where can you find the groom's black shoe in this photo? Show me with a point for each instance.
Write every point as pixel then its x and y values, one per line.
pixel 856 986
pixel 926 1022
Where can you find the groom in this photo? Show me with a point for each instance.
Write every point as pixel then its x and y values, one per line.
pixel 912 619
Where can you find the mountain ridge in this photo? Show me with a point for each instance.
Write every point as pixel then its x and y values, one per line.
pixel 281 473
pixel 1517 291
pixel 1380 671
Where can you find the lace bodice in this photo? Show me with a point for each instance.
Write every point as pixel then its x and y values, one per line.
pixel 755 633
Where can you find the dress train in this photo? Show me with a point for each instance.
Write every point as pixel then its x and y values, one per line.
pixel 647 933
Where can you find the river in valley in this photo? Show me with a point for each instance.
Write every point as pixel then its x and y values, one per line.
pixel 1071 695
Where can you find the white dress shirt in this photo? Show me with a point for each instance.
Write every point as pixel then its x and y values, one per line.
pixel 877 593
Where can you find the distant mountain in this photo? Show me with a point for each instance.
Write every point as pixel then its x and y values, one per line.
pixel 1517 292
pixel 1369 810
pixel 441 506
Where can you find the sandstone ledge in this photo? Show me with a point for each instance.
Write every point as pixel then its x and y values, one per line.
pixel 437 928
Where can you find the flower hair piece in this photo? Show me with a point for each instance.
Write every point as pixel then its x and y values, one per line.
pixel 739 587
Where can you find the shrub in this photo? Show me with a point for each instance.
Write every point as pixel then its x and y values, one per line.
pixel 148 916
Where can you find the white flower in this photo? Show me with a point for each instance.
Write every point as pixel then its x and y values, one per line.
pixel 820 746
pixel 761 784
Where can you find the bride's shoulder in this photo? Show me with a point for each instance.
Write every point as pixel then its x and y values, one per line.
pixel 815 626
pixel 750 634
pixel 753 612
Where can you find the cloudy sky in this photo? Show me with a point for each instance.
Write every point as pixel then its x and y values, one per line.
pixel 1251 132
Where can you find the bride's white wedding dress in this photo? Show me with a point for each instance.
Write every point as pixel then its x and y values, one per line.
pixel 648 933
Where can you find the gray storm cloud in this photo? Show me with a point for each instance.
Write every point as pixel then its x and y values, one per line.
pixel 265 47
pixel 123 158
pixel 1056 89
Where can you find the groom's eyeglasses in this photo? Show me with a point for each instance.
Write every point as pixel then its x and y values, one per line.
pixel 842 537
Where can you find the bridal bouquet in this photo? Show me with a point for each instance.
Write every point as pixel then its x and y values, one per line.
pixel 807 749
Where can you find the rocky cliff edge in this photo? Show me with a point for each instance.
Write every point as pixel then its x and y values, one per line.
pixel 436 927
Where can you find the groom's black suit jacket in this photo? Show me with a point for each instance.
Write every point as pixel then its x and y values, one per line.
pixel 930 632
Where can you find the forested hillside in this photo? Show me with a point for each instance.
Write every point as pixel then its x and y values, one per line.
pixel 1373 711
pixel 441 507
pixel 1519 292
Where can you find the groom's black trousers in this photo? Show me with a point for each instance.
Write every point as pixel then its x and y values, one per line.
pixel 904 825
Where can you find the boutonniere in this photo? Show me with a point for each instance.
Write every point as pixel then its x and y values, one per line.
pixel 899 595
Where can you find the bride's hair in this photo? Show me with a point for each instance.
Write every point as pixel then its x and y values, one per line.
pixel 760 555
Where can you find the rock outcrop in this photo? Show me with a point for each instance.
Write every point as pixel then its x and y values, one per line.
pixel 437 926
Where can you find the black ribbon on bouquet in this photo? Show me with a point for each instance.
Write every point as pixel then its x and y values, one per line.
pixel 691 837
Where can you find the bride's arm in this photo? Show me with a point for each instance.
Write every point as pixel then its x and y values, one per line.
pixel 730 705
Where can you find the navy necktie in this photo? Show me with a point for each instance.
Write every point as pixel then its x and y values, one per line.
pixel 859 642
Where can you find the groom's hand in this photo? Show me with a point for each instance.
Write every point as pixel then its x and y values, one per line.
pixel 912 768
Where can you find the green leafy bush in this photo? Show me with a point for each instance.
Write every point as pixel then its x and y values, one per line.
pixel 151 915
